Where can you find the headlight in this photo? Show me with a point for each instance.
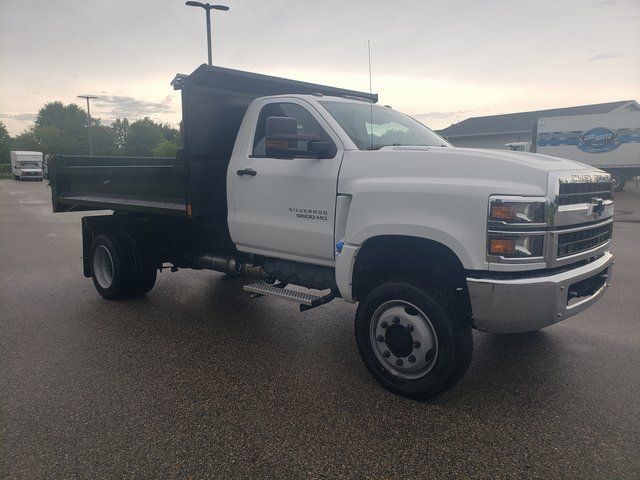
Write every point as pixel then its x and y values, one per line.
pixel 515 246
pixel 516 229
pixel 513 211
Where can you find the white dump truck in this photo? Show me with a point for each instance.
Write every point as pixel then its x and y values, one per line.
pixel 319 193
pixel 26 165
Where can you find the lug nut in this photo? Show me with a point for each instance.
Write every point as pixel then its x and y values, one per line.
pixel 399 362
pixel 416 344
pixel 385 353
pixel 384 324
pixel 380 338
pixel 412 359
pixel 396 320
pixel 410 328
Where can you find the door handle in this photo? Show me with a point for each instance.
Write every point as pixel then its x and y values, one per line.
pixel 247 171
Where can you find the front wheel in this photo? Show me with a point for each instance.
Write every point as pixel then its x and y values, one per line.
pixel 411 338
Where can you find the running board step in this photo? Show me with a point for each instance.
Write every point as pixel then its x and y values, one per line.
pixel 307 301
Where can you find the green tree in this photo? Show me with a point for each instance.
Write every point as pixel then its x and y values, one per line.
pixel 53 140
pixel 61 128
pixel 171 133
pixel 25 141
pixel 120 130
pixel 5 144
pixel 103 140
pixel 165 148
pixel 143 136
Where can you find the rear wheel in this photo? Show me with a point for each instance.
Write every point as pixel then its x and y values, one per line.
pixel 145 264
pixel 411 339
pixel 112 266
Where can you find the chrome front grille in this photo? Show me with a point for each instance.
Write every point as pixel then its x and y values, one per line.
pixel 579 241
pixel 573 193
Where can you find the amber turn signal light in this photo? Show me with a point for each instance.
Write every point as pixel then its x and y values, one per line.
pixel 500 246
pixel 503 213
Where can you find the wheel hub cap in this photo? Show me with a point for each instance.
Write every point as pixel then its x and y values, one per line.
pixel 103 266
pixel 403 339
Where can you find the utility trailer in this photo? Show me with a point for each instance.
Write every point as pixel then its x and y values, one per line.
pixel 317 187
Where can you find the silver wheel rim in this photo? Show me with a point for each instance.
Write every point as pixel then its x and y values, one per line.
pixel 103 266
pixel 403 339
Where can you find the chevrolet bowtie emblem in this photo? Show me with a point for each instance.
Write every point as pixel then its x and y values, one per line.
pixel 597 206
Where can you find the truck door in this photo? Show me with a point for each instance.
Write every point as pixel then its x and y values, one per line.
pixel 285 207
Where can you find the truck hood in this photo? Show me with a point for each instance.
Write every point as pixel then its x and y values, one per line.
pixel 439 193
pixel 497 171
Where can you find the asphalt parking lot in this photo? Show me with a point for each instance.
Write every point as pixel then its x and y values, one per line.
pixel 197 380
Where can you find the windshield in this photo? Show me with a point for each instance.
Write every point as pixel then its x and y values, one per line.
pixel 29 165
pixel 372 127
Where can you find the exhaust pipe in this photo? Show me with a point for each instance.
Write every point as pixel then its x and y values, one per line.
pixel 230 265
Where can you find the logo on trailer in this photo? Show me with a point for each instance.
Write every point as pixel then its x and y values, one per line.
pixel 597 140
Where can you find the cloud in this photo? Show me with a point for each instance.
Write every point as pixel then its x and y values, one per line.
pixel 603 56
pixel 441 115
pixel 19 117
pixel 116 106
pixel 608 3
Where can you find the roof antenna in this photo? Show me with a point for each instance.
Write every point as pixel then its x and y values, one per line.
pixel 370 91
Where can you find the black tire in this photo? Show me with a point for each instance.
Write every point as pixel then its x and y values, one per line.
pixel 619 181
pixel 452 335
pixel 145 264
pixel 112 266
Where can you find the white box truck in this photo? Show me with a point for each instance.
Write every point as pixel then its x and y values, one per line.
pixel 26 165
pixel 610 142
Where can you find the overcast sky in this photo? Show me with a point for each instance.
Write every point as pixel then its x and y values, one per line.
pixel 441 60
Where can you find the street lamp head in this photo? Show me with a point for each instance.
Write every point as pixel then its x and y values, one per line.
pixel 207 6
pixel 87 96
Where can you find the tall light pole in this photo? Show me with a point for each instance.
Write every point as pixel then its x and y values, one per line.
pixel 208 9
pixel 88 97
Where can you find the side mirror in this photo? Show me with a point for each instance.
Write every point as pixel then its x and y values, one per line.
pixel 281 139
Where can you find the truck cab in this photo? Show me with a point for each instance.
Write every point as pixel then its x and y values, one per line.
pixel 320 193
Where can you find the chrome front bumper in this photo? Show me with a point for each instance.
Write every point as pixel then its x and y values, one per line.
pixel 524 304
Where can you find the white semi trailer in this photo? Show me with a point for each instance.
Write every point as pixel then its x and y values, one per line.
pixel 610 142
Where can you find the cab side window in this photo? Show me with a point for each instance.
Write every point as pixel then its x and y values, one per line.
pixel 308 127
